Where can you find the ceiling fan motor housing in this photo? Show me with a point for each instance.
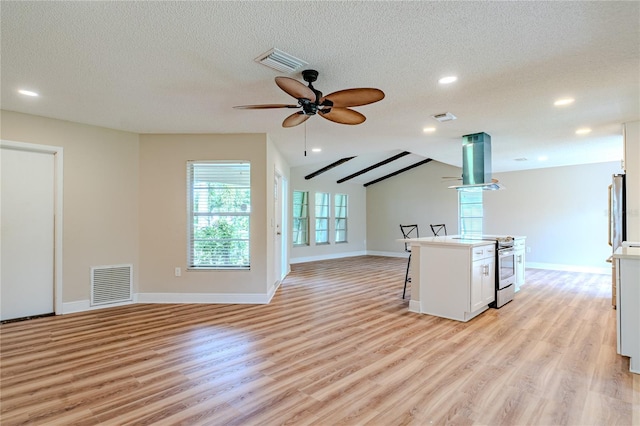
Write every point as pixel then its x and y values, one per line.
pixel 309 75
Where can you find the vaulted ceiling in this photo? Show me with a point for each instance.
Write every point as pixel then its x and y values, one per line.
pixel 180 67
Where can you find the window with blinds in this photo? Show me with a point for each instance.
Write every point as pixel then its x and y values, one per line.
pixel 219 205
pixel 340 218
pixel 300 218
pixel 322 217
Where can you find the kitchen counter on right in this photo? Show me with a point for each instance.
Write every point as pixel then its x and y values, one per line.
pixel 627 260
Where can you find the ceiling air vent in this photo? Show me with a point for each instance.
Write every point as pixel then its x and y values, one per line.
pixel 280 61
pixel 447 116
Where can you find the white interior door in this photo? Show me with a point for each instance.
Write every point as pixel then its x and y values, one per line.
pixel 27 232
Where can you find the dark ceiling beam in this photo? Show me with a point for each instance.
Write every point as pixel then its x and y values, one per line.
pixel 368 169
pixel 327 168
pixel 419 163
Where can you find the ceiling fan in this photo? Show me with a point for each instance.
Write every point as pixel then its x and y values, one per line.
pixel 333 107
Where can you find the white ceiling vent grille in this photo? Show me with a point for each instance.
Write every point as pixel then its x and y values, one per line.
pixel 447 116
pixel 281 61
pixel 111 284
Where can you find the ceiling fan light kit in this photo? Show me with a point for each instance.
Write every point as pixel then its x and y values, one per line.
pixel 334 107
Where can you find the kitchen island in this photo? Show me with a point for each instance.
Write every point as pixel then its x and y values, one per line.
pixel 453 276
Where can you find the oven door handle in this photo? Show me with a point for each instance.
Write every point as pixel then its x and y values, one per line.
pixel 503 253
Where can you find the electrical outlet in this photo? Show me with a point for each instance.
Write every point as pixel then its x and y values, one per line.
pixel 178 271
pixel 528 249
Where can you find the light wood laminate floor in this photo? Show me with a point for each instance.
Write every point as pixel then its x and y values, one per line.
pixel 336 345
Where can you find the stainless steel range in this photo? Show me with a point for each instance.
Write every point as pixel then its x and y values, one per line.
pixel 505 271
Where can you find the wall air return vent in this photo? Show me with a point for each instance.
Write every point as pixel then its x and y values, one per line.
pixel 446 116
pixel 111 284
pixel 281 61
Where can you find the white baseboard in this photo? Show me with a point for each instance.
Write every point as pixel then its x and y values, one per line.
pixel 414 306
pixel 85 305
pixel 327 256
pixel 215 298
pixel 568 268
pixel 387 253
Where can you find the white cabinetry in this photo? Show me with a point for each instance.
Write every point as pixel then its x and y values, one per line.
pixel 519 251
pixel 482 277
pixel 628 304
pixel 456 277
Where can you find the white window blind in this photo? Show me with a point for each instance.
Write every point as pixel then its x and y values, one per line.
pixel 340 206
pixel 322 218
pixel 300 218
pixel 219 205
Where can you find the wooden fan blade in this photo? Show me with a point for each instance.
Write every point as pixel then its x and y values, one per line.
pixel 343 116
pixel 354 97
pixel 266 106
pixel 295 88
pixel 295 119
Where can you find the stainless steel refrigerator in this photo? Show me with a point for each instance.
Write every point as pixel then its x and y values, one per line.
pixel 617 223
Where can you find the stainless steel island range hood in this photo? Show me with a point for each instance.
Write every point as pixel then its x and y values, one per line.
pixel 476 164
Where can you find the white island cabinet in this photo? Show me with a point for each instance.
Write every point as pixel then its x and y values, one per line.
pixel 452 277
pixel 483 278
pixel 628 304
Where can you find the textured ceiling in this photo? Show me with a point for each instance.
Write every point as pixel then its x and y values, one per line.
pixel 180 67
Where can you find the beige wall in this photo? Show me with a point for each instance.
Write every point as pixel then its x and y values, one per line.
pixel 419 196
pixel 356 222
pixel 561 210
pixel 163 212
pixel 632 163
pixel 100 194
pixel 125 202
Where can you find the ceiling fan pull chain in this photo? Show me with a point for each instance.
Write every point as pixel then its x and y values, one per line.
pixel 305 138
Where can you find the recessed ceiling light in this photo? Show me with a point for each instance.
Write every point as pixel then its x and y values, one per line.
pixel 543 158
pixel 27 92
pixel 448 80
pixel 563 102
pixel 429 129
pixel 583 131
pixel 316 149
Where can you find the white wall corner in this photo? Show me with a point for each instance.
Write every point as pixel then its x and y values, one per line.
pixel 414 306
pixel 272 290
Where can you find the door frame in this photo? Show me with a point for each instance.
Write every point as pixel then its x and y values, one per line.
pixel 280 210
pixel 57 153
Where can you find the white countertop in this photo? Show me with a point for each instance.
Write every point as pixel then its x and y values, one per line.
pixel 627 253
pixel 455 240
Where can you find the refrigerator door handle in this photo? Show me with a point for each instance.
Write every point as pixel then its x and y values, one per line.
pixel 610 213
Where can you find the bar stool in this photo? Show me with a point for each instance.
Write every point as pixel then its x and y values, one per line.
pixel 436 229
pixel 408 231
